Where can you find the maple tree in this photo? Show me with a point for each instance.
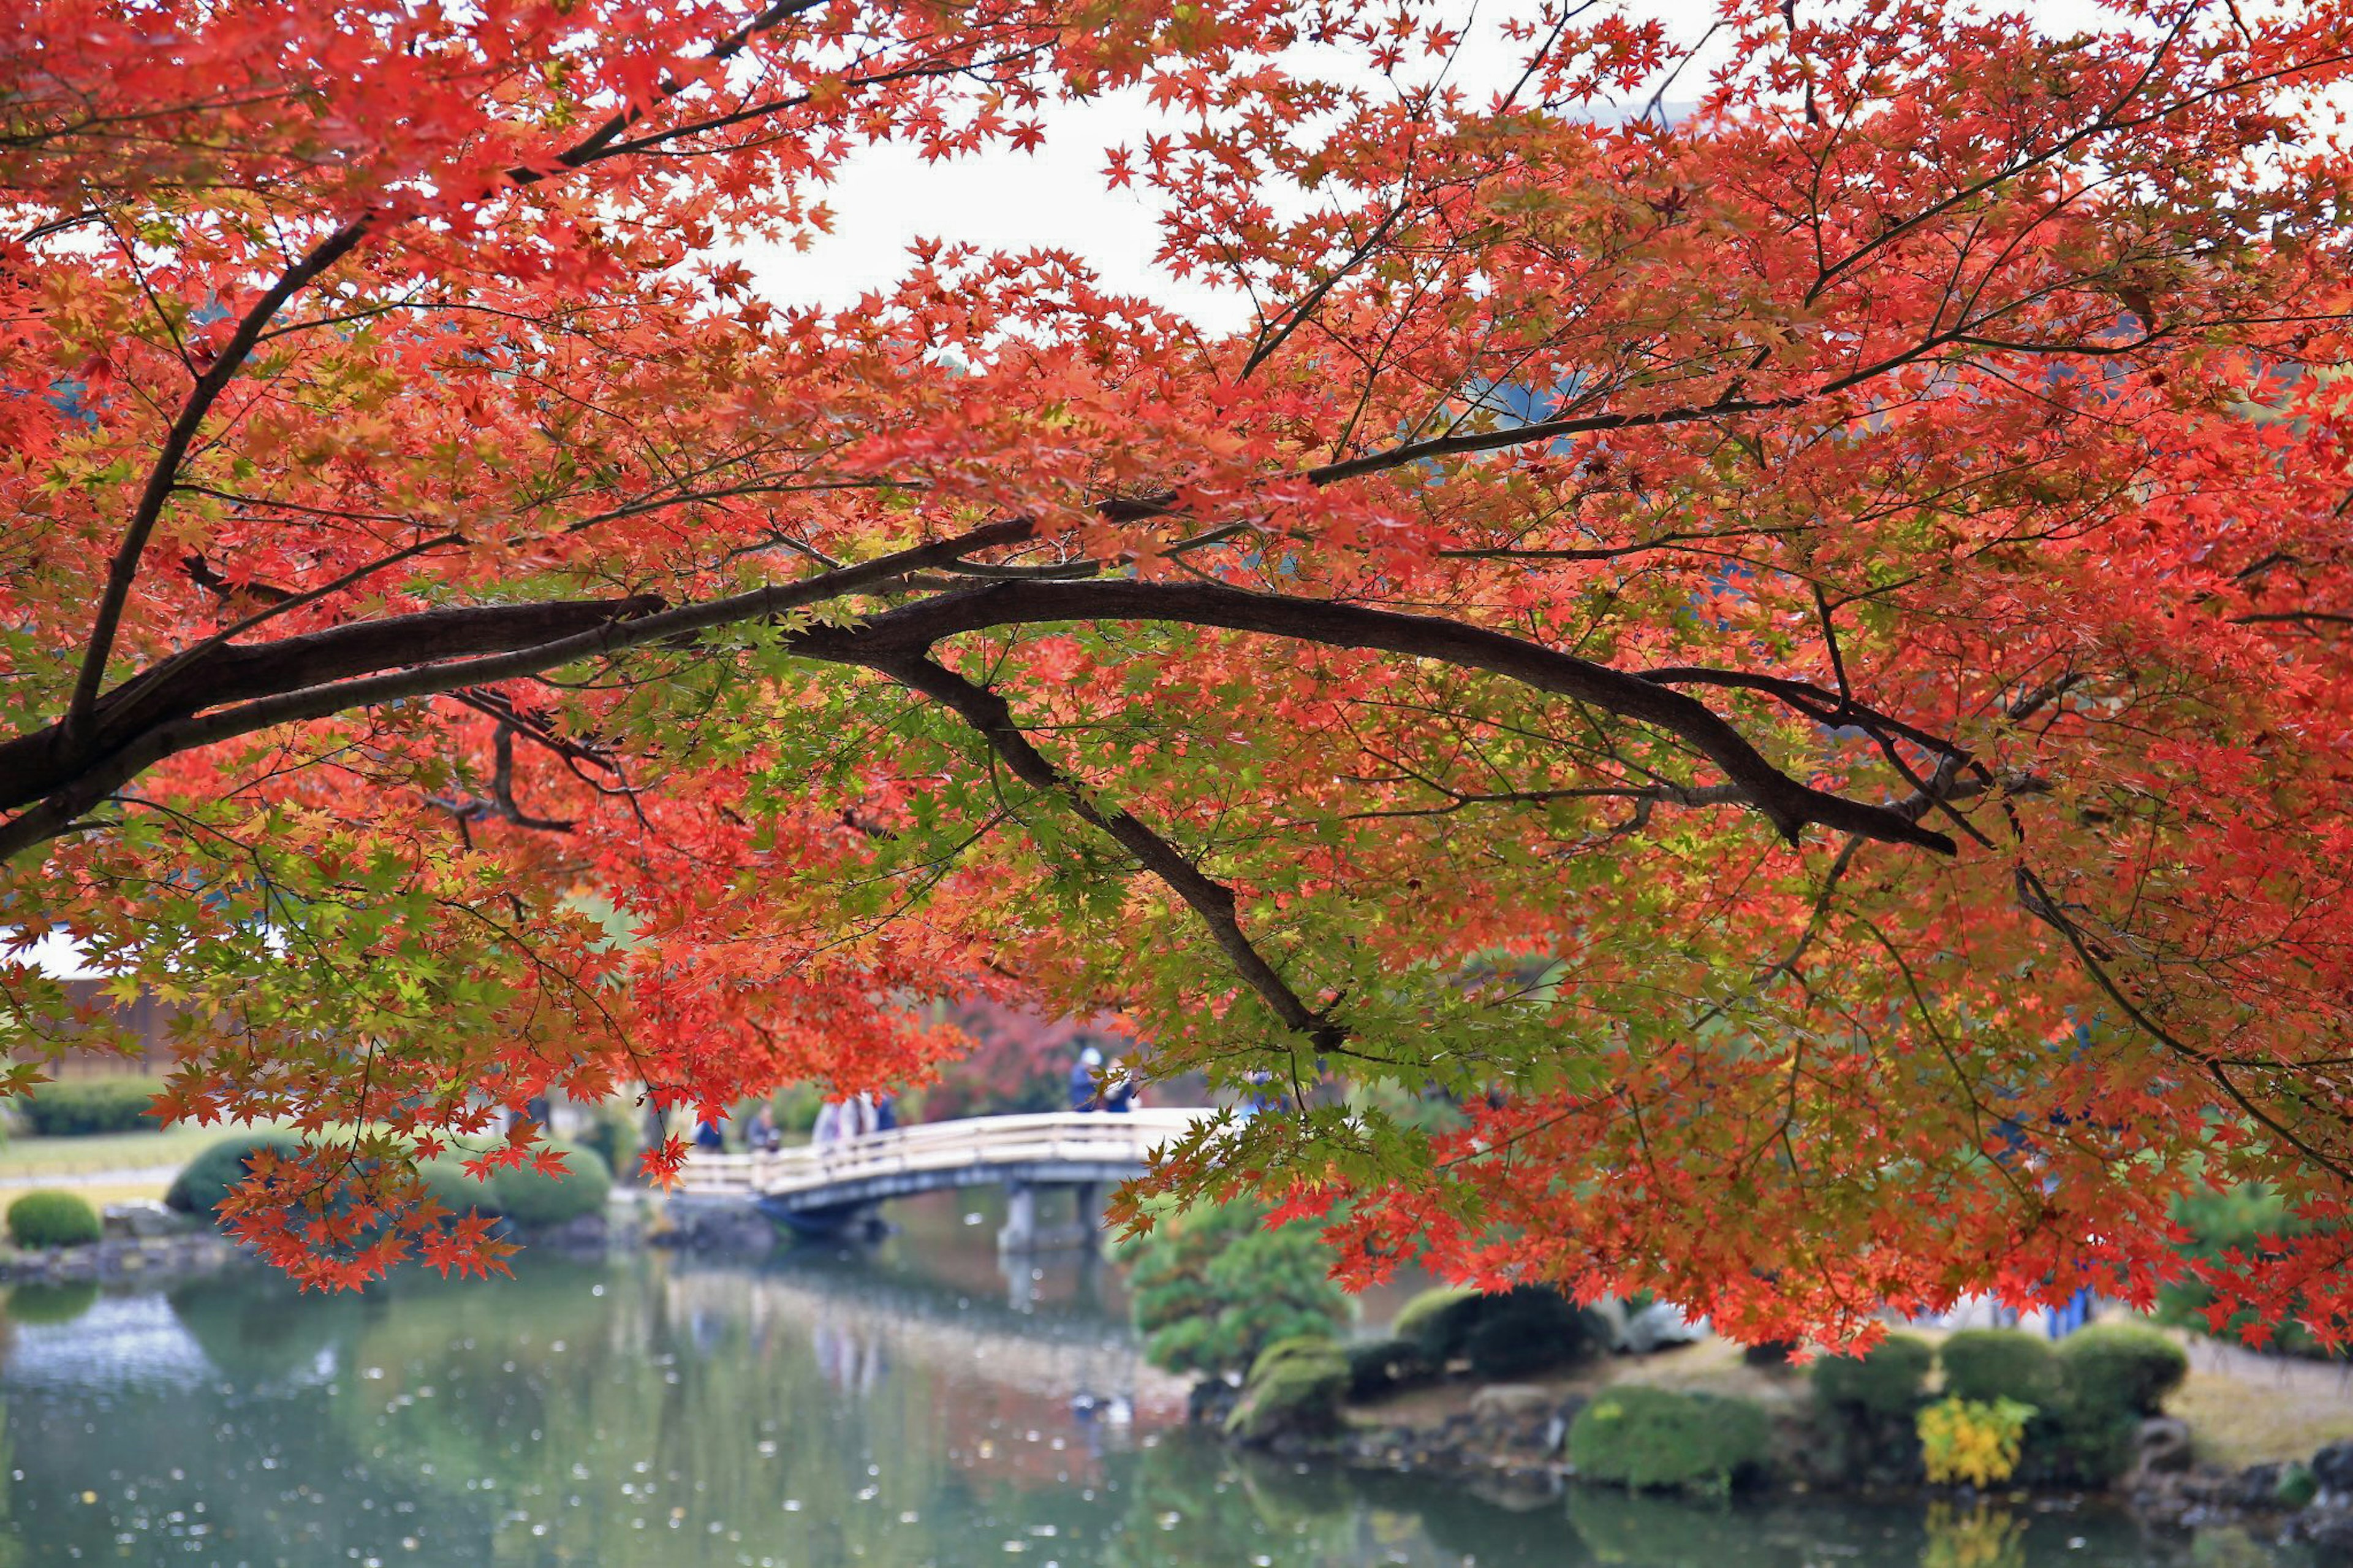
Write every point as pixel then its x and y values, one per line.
pixel 1790 654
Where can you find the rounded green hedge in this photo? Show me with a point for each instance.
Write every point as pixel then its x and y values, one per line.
pixel 532 1199
pixel 1507 1334
pixel 49 1218
pixel 1987 1364
pixel 447 1182
pixel 205 1180
pixel 1528 1329
pixel 1891 1380
pixel 1653 1439
pixel 1427 1318
pixel 2124 1368
pixel 77 1107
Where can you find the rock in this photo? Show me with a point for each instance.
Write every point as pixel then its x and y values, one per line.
pixel 1609 1313
pixel 1511 1402
pixel 1659 1325
pixel 2332 1538
pixel 2162 1445
pixel 2258 1485
pixel 1211 1401
pixel 586 1233
pixel 2333 1467
pixel 142 1219
pixel 717 1227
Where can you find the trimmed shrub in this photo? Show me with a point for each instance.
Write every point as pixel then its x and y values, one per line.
pixel 1212 1287
pixel 1295 1388
pixel 535 1201
pixel 34 1304
pixel 77 1107
pixel 447 1182
pixel 1428 1319
pixel 2111 1376
pixel 2123 1368
pixel 1526 1329
pixel 1504 1335
pixel 1384 1365
pixel 205 1180
pixel 1891 1380
pixel 49 1218
pixel 1982 1365
pixel 1653 1439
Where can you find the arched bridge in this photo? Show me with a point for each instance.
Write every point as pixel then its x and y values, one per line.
pixel 821 1188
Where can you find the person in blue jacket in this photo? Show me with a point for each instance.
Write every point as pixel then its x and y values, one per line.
pixel 1084 1096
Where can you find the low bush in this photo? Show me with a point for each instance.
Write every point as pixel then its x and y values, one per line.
pixel 2125 1369
pixel 531 1198
pixel 1212 1287
pixel 1529 1329
pixel 77 1107
pixel 1384 1365
pixel 1504 1335
pixel 1293 1388
pixel 1982 1365
pixel 205 1180
pixel 1891 1380
pixel 2111 1375
pixel 1430 1320
pixel 1650 1439
pixel 447 1182
pixel 53 1219
pixel 1975 1442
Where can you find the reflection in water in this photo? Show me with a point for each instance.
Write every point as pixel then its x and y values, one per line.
pixel 886 1406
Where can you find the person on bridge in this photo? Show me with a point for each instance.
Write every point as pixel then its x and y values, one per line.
pixel 764 1135
pixel 1083 1093
pixel 1118 1086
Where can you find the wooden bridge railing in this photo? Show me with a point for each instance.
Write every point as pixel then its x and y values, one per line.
pixel 1075 1138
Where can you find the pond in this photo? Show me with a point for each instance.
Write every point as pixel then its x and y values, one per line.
pixel 908 1404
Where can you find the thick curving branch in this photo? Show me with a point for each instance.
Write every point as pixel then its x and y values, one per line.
pixel 405 656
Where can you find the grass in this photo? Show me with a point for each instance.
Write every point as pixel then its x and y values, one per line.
pixel 24 1159
pixel 98 1194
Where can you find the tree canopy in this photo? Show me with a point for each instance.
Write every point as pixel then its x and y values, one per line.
pixel 1790 652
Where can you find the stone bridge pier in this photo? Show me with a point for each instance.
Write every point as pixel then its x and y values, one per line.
pixel 1023 1231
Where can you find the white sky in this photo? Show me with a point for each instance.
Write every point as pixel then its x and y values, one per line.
pixel 1056 197
pixel 888 196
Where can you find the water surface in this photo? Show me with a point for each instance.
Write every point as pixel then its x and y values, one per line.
pixel 911 1404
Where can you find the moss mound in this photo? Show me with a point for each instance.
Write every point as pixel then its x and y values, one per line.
pixel 1294 1390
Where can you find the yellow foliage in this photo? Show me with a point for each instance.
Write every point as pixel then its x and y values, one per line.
pixel 1972 1440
